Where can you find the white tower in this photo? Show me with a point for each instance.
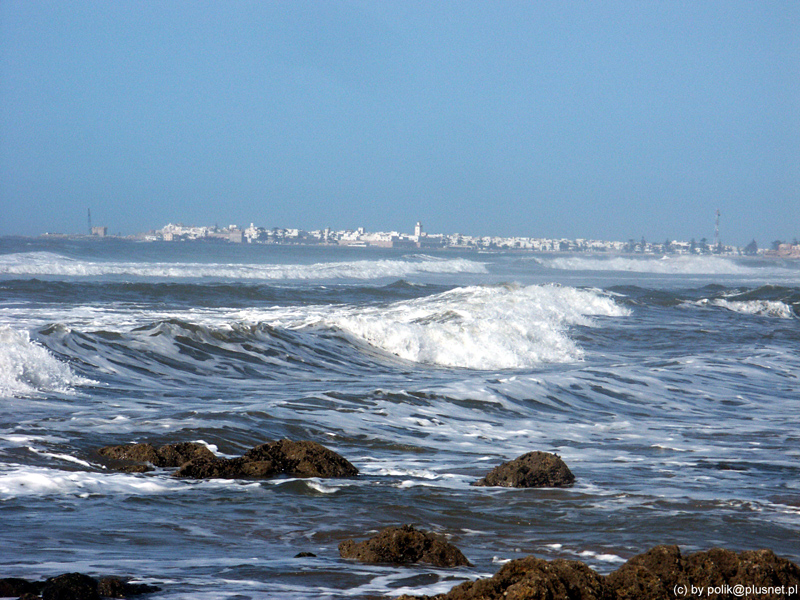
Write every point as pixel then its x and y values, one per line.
pixel 418 230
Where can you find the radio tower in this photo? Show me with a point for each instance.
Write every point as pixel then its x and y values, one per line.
pixel 716 232
pixel 89 217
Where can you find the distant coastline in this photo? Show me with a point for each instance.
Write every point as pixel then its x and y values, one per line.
pixel 360 238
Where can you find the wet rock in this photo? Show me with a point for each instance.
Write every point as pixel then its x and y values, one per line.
pixel 305 555
pixel 114 587
pixel 661 573
pixel 657 573
pixel 404 545
pixel 284 457
pixel 302 459
pixel 169 455
pixel 143 453
pixel 534 469
pixel 532 578
pixel 653 574
pixel 71 586
pixel 12 587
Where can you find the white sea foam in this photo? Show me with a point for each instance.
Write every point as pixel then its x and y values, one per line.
pixel 49 264
pixel 26 368
pixel 764 308
pixel 678 265
pixel 498 327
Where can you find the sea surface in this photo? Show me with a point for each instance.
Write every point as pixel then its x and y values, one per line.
pixel 671 387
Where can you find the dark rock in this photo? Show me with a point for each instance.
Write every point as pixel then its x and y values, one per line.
pixel 219 468
pixel 404 545
pixel 305 555
pixel 70 586
pixel 14 586
pixel 653 574
pixel 532 578
pixel 114 587
pixel 658 574
pixel 302 459
pixel 284 457
pixel 143 453
pixel 175 455
pixel 534 469
pixel 169 455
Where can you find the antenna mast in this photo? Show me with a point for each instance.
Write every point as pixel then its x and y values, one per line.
pixel 89 217
pixel 716 231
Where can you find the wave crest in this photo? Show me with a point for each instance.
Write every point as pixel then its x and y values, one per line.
pixel 26 368
pixel 502 327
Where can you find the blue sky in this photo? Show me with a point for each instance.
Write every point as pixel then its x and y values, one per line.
pixel 609 120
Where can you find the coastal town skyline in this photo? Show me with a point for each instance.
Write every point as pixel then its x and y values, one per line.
pixel 420 238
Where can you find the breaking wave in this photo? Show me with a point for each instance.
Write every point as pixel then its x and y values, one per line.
pixel 26 368
pixel 50 264
pixel 764 308
pixel 499 327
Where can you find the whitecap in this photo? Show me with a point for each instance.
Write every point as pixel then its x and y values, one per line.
pixel 27 368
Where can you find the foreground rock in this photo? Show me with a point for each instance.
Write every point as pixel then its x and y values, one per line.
pixel 138 457
pixel 534 469
pixel 284 457
pixel 662 570
pixel 73 586
pixel 404 545
pixel 661 573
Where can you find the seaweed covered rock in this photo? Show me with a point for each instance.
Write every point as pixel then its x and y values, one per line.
pixel 661 573
pixel 136 457
pixel 284 457
pixel 71 586
pixel 404 545
pixel 534 469
pixel 533 578
pixel 302 459
pixel 656 574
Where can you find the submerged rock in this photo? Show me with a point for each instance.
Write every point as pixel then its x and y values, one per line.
pixel 661 573
pixel 534 469
pixel 404 545
pixel 284 457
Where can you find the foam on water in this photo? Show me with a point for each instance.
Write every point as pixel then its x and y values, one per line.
pixel 49 264
pixel 498 327
pixel 27 369
pixel 668 265
pixel 764 308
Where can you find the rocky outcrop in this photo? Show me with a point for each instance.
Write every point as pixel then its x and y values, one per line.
pixel 402 546
pixel 196 461
pixel 284 457
pixel 534 469
pixel 533 578
pixel 73 586
pixel 661 573
pixel 138 457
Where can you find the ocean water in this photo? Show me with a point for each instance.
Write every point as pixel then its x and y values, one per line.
pixel 671 387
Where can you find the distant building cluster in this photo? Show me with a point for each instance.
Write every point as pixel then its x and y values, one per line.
pixel 359 237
